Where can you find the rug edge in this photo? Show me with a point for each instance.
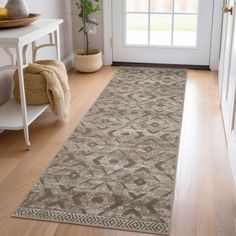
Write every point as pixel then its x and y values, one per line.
pixel 101 221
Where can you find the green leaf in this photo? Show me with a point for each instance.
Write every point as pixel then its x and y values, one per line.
pixel 81 29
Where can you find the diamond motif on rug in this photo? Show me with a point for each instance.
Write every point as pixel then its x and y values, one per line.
pixel 117 170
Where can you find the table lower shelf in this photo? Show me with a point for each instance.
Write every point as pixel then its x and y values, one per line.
pixel 11 115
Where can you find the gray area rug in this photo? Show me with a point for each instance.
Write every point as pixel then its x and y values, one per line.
pixel 117 170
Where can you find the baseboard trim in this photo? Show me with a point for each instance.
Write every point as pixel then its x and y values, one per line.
pixel 69 62
pixel 194 67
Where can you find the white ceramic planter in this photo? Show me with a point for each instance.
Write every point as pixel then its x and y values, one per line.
pixel 17 9
pixel 88 63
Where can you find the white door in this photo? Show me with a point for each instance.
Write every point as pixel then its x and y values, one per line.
pixel 225 65
pixel 231 101
pixel 227 79
pixel 162 31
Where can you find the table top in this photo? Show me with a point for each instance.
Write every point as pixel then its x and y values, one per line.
pixel 36 29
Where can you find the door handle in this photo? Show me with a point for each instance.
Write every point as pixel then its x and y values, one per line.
pixel 228 10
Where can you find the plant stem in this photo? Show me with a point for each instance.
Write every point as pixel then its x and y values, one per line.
pixel 87 42
pixel 85 29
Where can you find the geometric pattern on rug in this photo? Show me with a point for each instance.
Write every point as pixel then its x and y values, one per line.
pixel 117 170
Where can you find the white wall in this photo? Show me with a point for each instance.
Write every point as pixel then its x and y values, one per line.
pixel 47 9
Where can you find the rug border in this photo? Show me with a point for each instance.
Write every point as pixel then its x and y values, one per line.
pixel 124 224
pixel 168 226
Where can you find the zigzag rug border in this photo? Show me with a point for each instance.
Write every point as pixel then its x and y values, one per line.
pixel 116 223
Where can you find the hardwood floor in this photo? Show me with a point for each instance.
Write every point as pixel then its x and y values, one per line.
pixel 204 202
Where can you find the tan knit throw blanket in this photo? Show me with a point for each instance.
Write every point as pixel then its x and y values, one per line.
pixel 54 74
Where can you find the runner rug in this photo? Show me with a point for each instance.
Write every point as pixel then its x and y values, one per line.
pixel 117 170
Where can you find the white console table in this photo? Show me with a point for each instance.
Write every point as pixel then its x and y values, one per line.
pixel 14 115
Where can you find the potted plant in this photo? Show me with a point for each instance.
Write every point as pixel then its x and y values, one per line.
pixel 87 60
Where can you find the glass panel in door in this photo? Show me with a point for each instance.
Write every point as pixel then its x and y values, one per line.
pixel 162 22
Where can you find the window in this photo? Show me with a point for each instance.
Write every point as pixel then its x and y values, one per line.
pixel 169 23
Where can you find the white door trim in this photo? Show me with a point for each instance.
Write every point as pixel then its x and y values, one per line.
pixel 107 31
pixel 215 42
pixel 216 35
pixel 232 137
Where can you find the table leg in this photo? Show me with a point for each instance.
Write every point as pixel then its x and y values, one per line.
pixel 34 51
pixel 57 44
pixel 19 52
pixel 24 53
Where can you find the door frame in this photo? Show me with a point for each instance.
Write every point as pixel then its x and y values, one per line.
pixel 232 138
pixel 215 37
